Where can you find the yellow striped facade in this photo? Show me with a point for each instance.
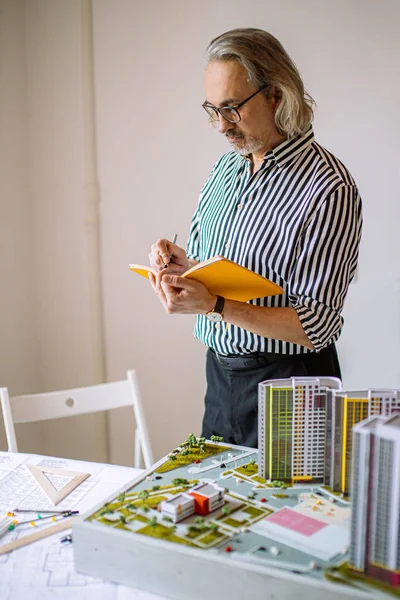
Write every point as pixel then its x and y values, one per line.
pixel 280 423
pixel 354 411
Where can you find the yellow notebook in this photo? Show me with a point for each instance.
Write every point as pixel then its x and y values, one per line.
pixel 225 278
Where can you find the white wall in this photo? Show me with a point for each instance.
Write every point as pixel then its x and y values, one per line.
pixel 154 152
pixel 358 120
pixel 45 308
pixel 18 342
pixel 55 146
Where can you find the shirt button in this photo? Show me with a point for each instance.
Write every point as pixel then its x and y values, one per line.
pixel 240 206
pixel 217 325
pixel 227 246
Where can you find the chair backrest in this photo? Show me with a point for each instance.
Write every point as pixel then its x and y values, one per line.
pixel 79 401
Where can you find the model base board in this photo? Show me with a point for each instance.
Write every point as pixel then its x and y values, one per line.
pixel 262 540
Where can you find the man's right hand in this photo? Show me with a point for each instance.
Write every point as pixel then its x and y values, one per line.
pixel 166 255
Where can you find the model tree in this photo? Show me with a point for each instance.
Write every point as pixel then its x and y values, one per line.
pixel 180 481
pixel 191 440
pixel 216 438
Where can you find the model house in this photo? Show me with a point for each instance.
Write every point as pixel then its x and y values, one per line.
pixel 201 500
pixel 178 508
pixel 207 497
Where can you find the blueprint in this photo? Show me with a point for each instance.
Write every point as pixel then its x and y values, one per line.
pixel 45 569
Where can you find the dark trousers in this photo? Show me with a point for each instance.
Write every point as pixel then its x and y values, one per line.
pixel 231 401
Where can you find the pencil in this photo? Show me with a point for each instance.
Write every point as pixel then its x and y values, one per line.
pixel 175 237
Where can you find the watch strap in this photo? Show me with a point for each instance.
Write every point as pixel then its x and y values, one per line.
pixel 219 305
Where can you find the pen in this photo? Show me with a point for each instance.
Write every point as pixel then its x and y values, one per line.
pixel 65 513
pixel 40 519
pixel 174 242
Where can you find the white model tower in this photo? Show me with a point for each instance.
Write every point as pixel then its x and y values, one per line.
pixel 375 527
pixel 383 402
pixel 292 427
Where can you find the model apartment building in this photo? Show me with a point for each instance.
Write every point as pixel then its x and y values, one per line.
pixel 345 410
pixel 305 428
pixel 292 427
pixel 201 500
pixel 375 490
pixel 383 402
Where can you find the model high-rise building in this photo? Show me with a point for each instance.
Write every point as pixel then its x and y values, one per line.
pixel 375 526
pixel 292 427
pixel 343 412
pixel 347 409
pixel 305 428
pixel 383 402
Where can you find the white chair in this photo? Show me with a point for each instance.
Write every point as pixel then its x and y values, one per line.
pixel 79 401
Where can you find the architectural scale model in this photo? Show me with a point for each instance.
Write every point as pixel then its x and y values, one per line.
pixel 305 428
pixel 202 523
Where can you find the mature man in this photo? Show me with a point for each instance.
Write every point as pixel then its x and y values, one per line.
pixel 282 206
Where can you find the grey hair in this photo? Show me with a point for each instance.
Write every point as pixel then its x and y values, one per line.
pixel 267 62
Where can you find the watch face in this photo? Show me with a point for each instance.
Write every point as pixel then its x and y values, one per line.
pixel 214 317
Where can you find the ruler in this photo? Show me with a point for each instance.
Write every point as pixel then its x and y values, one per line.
pixel 75 479
pixel 40 534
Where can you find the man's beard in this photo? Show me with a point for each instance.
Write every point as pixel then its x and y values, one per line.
pixel 251 144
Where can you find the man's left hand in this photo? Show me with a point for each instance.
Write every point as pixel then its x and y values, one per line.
pixel 179 295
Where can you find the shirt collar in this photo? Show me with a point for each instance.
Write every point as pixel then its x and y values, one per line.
pixel 290 148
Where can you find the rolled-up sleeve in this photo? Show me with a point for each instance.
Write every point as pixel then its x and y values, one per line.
pixel 326 262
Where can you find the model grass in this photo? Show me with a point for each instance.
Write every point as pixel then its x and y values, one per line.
pixel 127 504
pixel 193 449
pixel 138 511
pixel 249 469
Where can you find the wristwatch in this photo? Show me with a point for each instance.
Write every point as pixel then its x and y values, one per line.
pixel 216 314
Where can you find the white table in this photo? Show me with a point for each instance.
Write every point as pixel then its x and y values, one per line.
pixel 45 569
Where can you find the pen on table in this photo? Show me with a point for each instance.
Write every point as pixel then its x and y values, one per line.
pixel 65 513
pixel 174 242
pixel 40 519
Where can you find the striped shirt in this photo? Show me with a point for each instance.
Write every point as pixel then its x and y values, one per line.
pixel 297 221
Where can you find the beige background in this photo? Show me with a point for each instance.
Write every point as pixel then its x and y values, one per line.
pixel 154 150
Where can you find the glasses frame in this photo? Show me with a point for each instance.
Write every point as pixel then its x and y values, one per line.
pixel 216 111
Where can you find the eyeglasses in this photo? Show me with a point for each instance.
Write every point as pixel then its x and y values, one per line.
pixel 230 113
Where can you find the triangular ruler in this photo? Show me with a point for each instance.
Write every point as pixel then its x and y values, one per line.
pixel 56 495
